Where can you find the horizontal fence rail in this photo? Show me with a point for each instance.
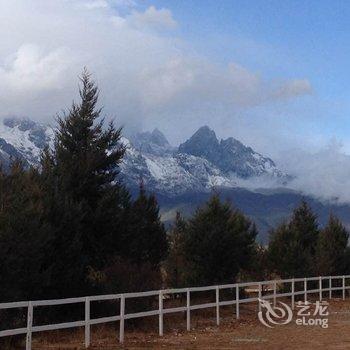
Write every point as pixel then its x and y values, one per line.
pixel 261 287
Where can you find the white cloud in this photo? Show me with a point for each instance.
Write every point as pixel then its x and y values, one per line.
pixel 153 18
pixel 123 3
pixel 96 4
pixel 294 88
pixel 32 69
pixel 102 4
pixel 184 80
pixel 323 174
pixel 147 77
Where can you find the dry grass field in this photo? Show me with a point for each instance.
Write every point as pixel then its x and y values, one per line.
pixel 247 333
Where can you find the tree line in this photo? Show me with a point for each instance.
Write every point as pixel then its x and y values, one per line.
pixel 71 228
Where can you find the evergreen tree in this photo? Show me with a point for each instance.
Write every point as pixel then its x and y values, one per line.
pixel 146 241
pixel 283 252
pixel 84 202
pixel 23 235
pixel 331 248
pixel 176 261
pixel 292 246
pixel 305 227
pixel 259 269
pixel 219 242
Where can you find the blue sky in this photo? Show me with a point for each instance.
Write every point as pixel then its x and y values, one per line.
pixel 280 39
pixel 277 37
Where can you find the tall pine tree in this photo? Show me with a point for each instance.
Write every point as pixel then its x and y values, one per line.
pixel 331 248
pixel 85 204
pixel 292 246
pixel 146 241
pixel 219 242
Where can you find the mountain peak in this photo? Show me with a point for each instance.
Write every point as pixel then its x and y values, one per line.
pixel 203 143
pixel 151 142
pixel 205 132
pixel 158 138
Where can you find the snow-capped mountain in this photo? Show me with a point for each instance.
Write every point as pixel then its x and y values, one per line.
pixel 197 165
pixel 169 172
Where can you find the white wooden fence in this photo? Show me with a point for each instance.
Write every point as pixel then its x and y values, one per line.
pixel 161 311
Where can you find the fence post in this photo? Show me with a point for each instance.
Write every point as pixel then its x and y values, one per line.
pixel 259 296
pixel 121 322
pixel 29 326
pixel 293 297
pixel 305 289
pixel 343 287
pixel 87 322
pixel 274 293
pixel 330 287
pixel 188 309
pixel 161 313
pixel 217 293
pixel 237 301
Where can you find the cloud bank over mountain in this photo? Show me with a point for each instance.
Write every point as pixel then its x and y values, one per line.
pixel 150 76
pixel 323 174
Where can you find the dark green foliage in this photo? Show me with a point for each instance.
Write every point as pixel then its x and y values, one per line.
pixel 146 240
pixel 86 156
pixel 219 242
pixel 23 235
pixel 258 269
pixel 175 265
pixel 283 252
pixel 292 245
pixel 331 248
pixel 84 202
pixel 305 227
pixel 124 276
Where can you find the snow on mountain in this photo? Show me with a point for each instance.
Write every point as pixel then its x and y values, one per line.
pixel 171 173
pixel 22 138
pixel 198 165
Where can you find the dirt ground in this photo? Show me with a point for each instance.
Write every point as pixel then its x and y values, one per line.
pixel 247 333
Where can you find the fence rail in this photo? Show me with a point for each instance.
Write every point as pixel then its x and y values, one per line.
pixel 161 311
